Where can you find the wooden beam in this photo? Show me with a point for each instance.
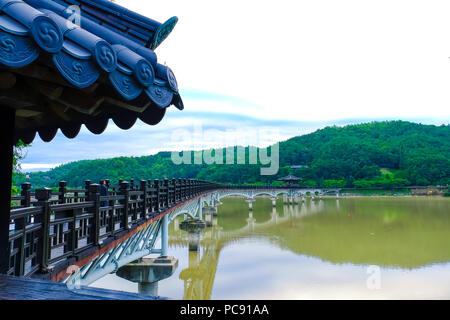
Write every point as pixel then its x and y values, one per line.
pixel 7 121
pixel 7 80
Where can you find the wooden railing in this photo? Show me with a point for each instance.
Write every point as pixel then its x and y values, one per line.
pixel 47 228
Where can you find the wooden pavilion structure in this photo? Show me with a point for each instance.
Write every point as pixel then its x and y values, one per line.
pixel 290 180
pixel 57 74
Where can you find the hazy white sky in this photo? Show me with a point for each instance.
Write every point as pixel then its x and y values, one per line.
pixel 311 60
pixel 291 65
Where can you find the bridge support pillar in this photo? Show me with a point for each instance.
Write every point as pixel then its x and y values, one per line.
pixel 148 272
pixel 274 201
pixel 208 220
pixel 176 224
pixel 194 241
pixel 209 214
pixel 250 203
pixel 165 235
pixel 150 289
pixel 192 226
pixel 200 208
pixel 274 215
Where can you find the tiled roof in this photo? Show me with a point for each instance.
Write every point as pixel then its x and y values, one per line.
pixel 60 75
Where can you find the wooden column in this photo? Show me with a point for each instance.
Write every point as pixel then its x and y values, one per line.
pixel 7 123
pixel 124 189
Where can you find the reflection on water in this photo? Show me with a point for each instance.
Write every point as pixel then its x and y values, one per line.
pixel 318 249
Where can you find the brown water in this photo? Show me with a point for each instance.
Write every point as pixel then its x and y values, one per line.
pixel 355 248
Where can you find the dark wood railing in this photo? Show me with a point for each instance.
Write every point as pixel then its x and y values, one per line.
pixel 47 228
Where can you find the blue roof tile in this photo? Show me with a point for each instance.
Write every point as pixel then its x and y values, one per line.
pixel 111 41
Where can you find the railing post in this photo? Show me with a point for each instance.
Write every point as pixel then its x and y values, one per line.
pixel 131 184
pixel 21 224
pixel 43 196
pixel 94 195
pixel 174 186
pixel 189 189
pixel 150 206
pixel 124 190
pixel 87 183
pixel 144 199
pixel 157 188
pixel 180 189
pixel 166 199
pixel 26 194
pixel 62 192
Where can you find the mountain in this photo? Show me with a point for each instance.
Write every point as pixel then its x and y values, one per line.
pixel 384 154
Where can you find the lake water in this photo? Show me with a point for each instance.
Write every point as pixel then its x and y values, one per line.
pixel 353 248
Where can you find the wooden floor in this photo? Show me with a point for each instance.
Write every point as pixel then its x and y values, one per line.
pixel 20 288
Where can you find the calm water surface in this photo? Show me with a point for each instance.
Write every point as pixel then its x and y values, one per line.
pixel 355 248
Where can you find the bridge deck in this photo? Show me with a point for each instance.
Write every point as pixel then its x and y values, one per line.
pixel 21 288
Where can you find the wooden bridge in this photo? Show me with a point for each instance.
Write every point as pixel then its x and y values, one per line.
pixel 77 236
pixel 50 232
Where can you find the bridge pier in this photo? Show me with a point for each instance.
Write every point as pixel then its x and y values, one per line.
pixel 208 220
pixel 209 214
pixel 251 221
pixel 214 222
pixel 148 272
pixel 200 208
pixel 165 235
pixel 250 203
pixel 274 201
pixel 274 215
pixel 193 227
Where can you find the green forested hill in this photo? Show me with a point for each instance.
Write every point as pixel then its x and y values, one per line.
pixel 386 154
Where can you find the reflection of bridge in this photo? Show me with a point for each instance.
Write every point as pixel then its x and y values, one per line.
pixel 200 275
pixel 81 236
pixel 143 242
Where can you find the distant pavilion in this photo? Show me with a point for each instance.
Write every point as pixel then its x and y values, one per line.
pixel 290 180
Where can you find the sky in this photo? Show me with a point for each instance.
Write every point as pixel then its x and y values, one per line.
pixel 289 67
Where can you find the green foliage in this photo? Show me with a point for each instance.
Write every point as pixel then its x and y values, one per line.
pixel 308 183
pixel 334 183
pixel 378 154
pixel 18 155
